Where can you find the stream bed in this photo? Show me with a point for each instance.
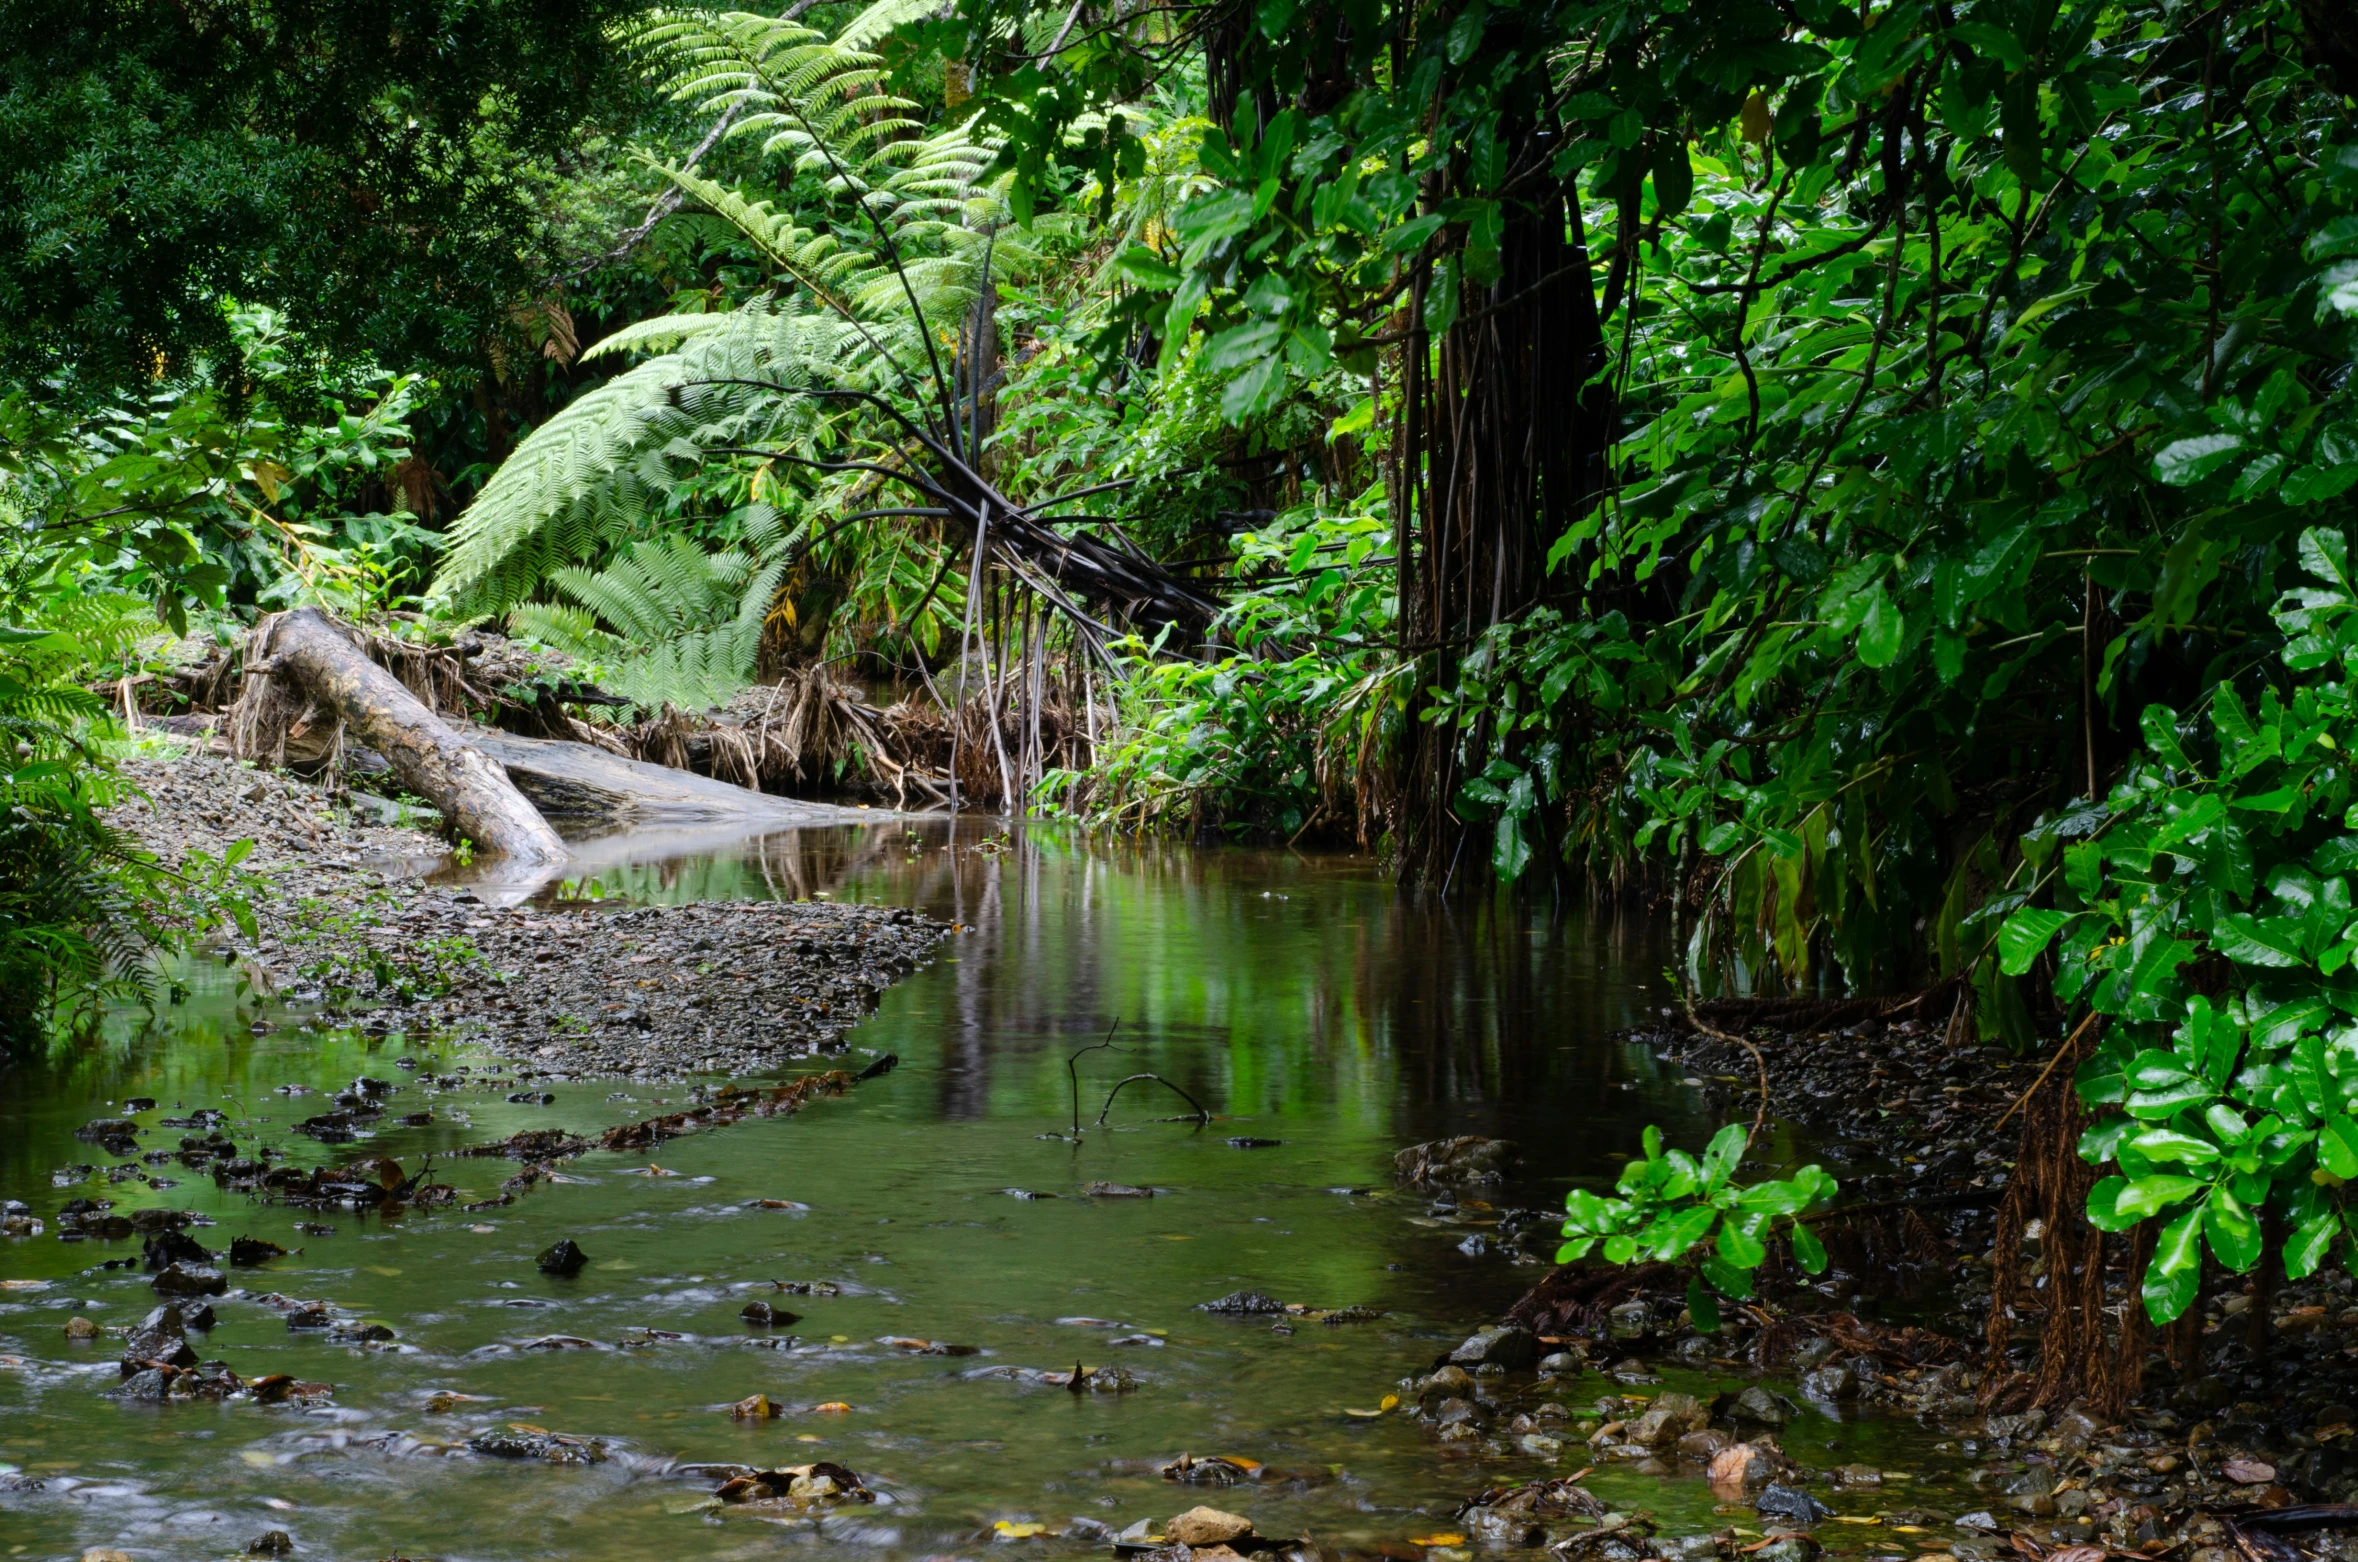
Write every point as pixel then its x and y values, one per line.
pixel 1296 996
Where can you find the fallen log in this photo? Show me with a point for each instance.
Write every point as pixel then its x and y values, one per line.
pixel 575 781
pixel 313 652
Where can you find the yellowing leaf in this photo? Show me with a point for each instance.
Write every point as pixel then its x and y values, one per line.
pixel 1389 1402
pixel 1008 1531
pixel 1437 1540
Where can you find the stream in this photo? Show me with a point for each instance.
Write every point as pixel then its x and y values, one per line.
pixel 1296 996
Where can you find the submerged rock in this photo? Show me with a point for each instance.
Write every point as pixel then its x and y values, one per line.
pixel 1243 1303
pixel 190 1280
pixel 516 1442
pixel 565 1259
pixel 1508 1347
pixel 1790 1504
pixel 1467 1158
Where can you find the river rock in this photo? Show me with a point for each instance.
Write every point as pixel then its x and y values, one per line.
pixel 548 1447
pixel 1669 1418
pixel 246 1252
pixel 1629 1321
pixel 1790 1504
pixel 190 1280
pixel 1702 1447
pixel 1201 1526
pixel 1561 1364
pixel 1762 1408
pixel 1788 1548
pixel 167 1248
pixel 149 1385
pixel 179 1317
pixel 2028 1424
pixel 1496 1528
pixel 1810 1355
pixel 1243 1303
pixel 78 1328
pixel 1506 1346
pixel 1467 1158
pixel 270 1543
pixel 564 1259
pixel 1830 1382
pixel 146 1347
pixel 761 1315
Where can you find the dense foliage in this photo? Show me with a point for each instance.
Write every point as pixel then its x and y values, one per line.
pixel 381 165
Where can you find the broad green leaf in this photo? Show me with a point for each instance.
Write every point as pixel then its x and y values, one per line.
pixel 2186 461
pixel 2234 1232
pixel 2168 1144
pixel 2103 1206
pixel 2306 1248
pixel 2250 940
pixel 1739 1247
pixel 2025 934
pixel 1808 1251
pixel 1703 1307
pixel 2143 1197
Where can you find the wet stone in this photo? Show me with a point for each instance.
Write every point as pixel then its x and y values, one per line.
pixel 762 1315
pixel 547 1447
pixel 149 1385
pixel 1243 1303
pixel 1790 1505
pixel 270 1543
pixel 245 1252
pixel 190 1280
pixel 565 1259
pixel 146 1347
pixel 167 1248
pixel 1508 1347
pixel 1757 1405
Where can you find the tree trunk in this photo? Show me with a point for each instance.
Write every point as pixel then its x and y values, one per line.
pixel 472 790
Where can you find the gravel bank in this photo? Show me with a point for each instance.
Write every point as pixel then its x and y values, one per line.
pixel 593 989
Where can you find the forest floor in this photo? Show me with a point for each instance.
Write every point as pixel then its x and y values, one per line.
pixel 2219 1459
pixel 349 921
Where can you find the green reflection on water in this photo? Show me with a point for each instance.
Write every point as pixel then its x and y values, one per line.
pixel 1300 997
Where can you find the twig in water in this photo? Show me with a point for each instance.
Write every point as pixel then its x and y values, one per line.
pixel 1760 1115
pixel 1202 1115
pixel 1072 1069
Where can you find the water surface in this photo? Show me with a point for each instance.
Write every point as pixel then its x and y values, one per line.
pixel 1296 996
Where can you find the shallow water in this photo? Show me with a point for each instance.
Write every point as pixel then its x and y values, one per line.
pixel 1297 997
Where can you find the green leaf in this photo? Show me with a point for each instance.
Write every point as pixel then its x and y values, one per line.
pixel 2025 934
pixel 1808 1251
pixel 1739 1247
pixel 2186 461
pixel 2146 1195
pixel 2168 1293
pixel 1703 1307
pixel 2337 1146
pixel 1721 1156
pixel 2233 1231
pixel 2103 1206
pixel 1882 631
pixel 2250 940
pixel 2168 1144
pixel 2306 1248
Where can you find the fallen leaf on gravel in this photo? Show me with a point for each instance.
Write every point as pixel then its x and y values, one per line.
pixel 2077 1554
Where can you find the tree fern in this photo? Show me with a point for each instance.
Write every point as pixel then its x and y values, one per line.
pixel 884 229
pixel 666 623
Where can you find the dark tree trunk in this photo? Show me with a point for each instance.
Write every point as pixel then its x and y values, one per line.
pixel 1502 445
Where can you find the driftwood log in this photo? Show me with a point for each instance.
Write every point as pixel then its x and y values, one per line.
pixel 312 651
pixel 574 781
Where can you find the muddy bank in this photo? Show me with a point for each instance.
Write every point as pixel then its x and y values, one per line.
pixel 2213 1441
pixel 347 926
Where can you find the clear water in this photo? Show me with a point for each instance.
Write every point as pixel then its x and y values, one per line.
pixel 1297 996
